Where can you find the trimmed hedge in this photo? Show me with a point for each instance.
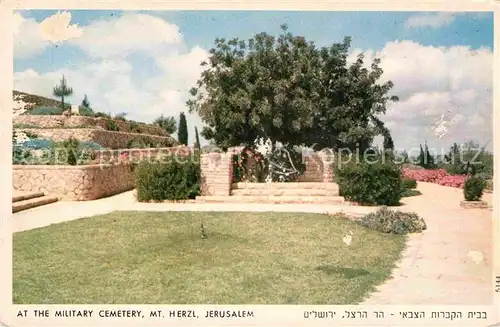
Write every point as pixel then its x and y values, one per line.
pixel 473 188
pixel 172 180
pixel 370 183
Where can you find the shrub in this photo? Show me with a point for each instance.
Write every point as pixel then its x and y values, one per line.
pixel 134 127
pixel 46 111
pixel 37 144
pixel 112 126
pixel 370 184
pixel 172 180
pixel 396 222
pixel 249 166
pixel 90 145
pixel 473 188
pixel 406 193
pixel 409 183
pixel 83 111
pixel 102 114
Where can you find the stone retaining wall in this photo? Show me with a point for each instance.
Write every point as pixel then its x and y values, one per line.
pixel 77 183
pixel 107 139
pixel 60 121
pixel 135 155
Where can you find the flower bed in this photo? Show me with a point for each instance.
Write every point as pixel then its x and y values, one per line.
pixel 437 176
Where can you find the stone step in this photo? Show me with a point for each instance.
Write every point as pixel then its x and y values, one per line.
pixel 287 186
pixel 284 192
pixel 270 199
pixel 33 202
pixel 20 196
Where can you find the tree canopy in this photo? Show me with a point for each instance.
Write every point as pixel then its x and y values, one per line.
pixel 290 91
pixel 62 90
pixel 166 123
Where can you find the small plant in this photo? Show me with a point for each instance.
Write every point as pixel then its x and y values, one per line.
pixel 202 232
pixel 396 222
pixel 473 188
pixel 112 126
pixel 409 183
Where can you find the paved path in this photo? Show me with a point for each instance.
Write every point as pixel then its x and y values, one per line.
pixel 436 267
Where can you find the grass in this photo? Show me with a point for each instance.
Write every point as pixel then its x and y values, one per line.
pixel 161 258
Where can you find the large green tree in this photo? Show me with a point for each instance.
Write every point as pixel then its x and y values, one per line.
pixel 62 90
pixel 182 134
pixel 166 123
pixel 288 90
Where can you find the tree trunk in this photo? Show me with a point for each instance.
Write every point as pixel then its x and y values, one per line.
pixel 62 102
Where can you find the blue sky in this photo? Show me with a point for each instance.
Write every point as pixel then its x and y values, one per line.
pixel 149 61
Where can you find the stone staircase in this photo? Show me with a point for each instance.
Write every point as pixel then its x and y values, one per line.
pixel 312 193
pixel 27 200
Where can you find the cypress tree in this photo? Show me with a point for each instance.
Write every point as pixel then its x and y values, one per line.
pixel 182 134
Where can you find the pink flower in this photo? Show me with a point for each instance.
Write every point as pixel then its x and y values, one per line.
pixel 437 176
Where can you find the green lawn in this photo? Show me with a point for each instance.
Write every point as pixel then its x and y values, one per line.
pixel 161 258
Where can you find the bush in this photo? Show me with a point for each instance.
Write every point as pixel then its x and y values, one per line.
pixel 406 193
pixel 171 180
pixel 112 126
pixel 37 144
pixel 141 144
pixel 90 145
pixel 84 111
pixel 395 222
pixel 134 127
pixel 473 188
pixel 370 184
pixel 46 111
pixel 409 183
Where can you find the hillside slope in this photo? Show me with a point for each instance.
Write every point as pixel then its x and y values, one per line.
pixel 39 100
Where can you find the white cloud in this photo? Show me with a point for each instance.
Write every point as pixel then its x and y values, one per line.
pixel 32 38
pixel 455 82
pixel 108 78
pixel 132 32
pixel 431 20
pixel 27 38
pixel 58 28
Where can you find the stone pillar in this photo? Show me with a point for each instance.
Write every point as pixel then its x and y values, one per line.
pixel 216 173
pixel 327 160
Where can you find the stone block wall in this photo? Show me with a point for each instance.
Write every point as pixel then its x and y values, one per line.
pixel 136 155
pixel 77 183
pixel 108 139
pixel 61 121
pixel 216 173
pixel 314 169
